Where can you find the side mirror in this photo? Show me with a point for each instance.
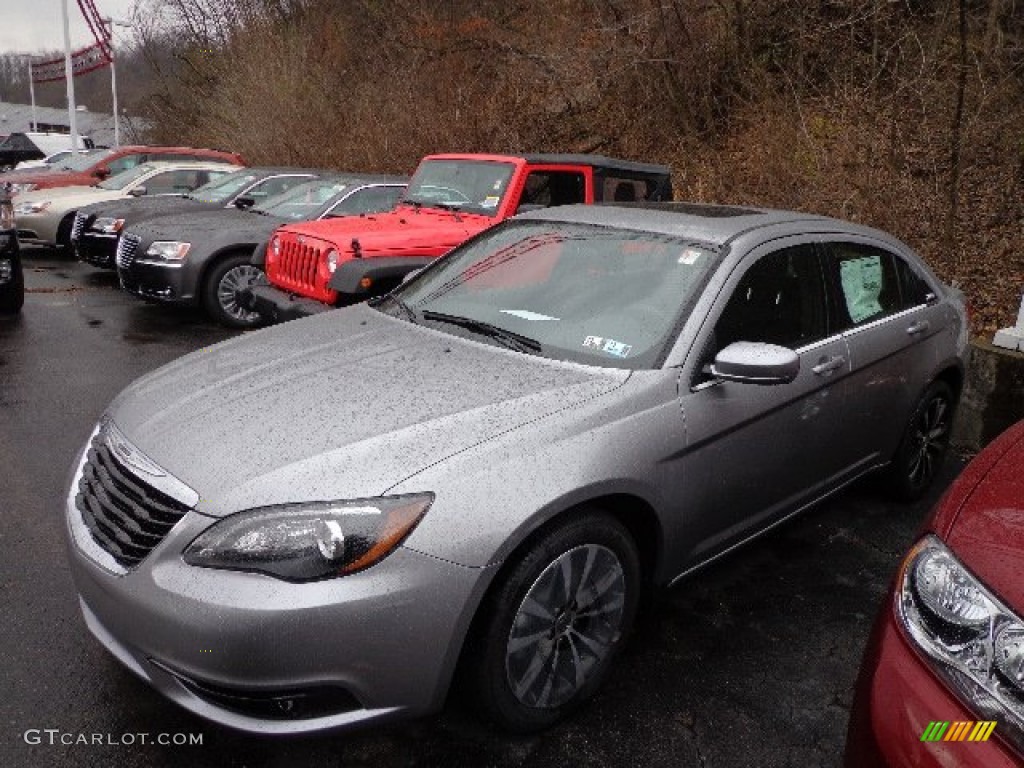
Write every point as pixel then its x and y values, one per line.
pixel 101 173
pixel 244 201
pixel 752 362
pixel 410 275
pixel 137 191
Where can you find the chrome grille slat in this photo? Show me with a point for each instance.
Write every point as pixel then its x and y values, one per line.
pixel 78 225
pixel 126 248
pixel 123 513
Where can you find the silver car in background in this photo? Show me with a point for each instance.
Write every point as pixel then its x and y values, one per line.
pixel 320 524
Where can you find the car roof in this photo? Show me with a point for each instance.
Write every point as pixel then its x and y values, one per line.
pixel 365 178
pixel 597 161
pixel 187 165
pixel 708 223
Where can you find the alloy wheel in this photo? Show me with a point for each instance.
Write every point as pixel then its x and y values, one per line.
pixel 235 279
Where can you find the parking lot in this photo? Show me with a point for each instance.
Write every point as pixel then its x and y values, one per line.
pixel 750 662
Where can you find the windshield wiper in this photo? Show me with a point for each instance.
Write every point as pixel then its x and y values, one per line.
pixel 409 312
pixel 512 340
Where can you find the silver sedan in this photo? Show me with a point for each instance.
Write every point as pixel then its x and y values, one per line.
pixel 323 523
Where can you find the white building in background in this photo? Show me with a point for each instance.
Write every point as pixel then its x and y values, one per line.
pixel 17 118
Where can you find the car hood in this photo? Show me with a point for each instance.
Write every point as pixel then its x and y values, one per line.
pixel 207 227
pixel 73 196
pixel 402 230
pixel 988 534
pixel 344 404
pixel 134 208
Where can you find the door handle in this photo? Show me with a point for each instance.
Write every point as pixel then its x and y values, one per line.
pixel 828 364
pixel 919 327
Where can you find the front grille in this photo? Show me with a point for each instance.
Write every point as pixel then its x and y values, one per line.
pixel 297 266
pixel 125 515
pixel 126 248
pixel 78 225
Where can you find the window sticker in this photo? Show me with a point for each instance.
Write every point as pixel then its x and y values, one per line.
pixel 526 314
pixel 497 185
pixel 490 201
pixel 862 286
pixel 608 346
pixel 689 257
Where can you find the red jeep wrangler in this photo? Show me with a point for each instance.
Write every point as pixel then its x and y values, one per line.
pixel 315 265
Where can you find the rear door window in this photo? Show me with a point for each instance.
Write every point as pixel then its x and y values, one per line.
pixel 866 283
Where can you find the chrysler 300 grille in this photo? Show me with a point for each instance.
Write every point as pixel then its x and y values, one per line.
pixel 125 515
pixel 126 248
pixel 78 225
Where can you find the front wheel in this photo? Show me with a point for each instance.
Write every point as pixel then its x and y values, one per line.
pixel 221 287
pixel 925 443
pixel 553 624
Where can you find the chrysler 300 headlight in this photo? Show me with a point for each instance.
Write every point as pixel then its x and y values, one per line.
pixel 317 540
pixel 108 225
pixel 973 641
pixel 167 251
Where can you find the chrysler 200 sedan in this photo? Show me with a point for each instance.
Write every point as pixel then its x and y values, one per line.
pixel 324 523
pixel 943 677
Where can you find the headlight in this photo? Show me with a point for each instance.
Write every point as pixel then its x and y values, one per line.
pixel 25 209
pixel 108 226
pixel 332 260
pixel 6 215
pixel 275 246
pixel 168 250
pixel 973 641
pixel 17 189
pixel 303 542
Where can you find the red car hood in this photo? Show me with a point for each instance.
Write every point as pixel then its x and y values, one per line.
pixel 404 230
pixel 988 533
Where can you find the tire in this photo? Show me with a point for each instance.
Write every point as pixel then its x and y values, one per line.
pixel 63 236
pixel 218 291
pixel 542 646
pixel 12 295
pixel 924 444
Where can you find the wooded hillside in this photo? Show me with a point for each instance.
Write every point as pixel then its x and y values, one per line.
pixel 904 114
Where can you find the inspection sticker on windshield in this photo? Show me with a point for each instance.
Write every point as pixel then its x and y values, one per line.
pixel 608 346
pixel 490 201
pixel 526 314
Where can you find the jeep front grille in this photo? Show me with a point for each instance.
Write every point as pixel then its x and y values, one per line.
pixel 126 248
pixel 296 267
pixel 125 515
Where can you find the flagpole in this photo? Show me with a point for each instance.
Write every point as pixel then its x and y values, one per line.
pixel 69 75
pixel 113 83
pixel 32 95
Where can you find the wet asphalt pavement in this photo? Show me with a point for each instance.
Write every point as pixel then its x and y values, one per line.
pixel 748 663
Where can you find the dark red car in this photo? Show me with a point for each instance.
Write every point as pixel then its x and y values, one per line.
pixel 89 167
pixel 942 683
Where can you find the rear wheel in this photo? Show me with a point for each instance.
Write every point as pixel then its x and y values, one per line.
pixel 220 289
pixel 553 624
pixel 925 443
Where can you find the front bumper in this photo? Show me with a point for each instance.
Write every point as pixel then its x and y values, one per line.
pixel 173 284
pixel 37 229
pixel 97 250
pixel 274 305
pixel 382 643
pixel 897 697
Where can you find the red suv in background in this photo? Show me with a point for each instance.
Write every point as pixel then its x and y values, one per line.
pixel 313 266
pixel 86 168
pixel 942 682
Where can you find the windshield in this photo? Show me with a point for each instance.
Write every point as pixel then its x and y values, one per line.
pixel 124 178
pixel 80 161
pixel 224 188
pixel 303 202
pixel 475 186
pixel 596 295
